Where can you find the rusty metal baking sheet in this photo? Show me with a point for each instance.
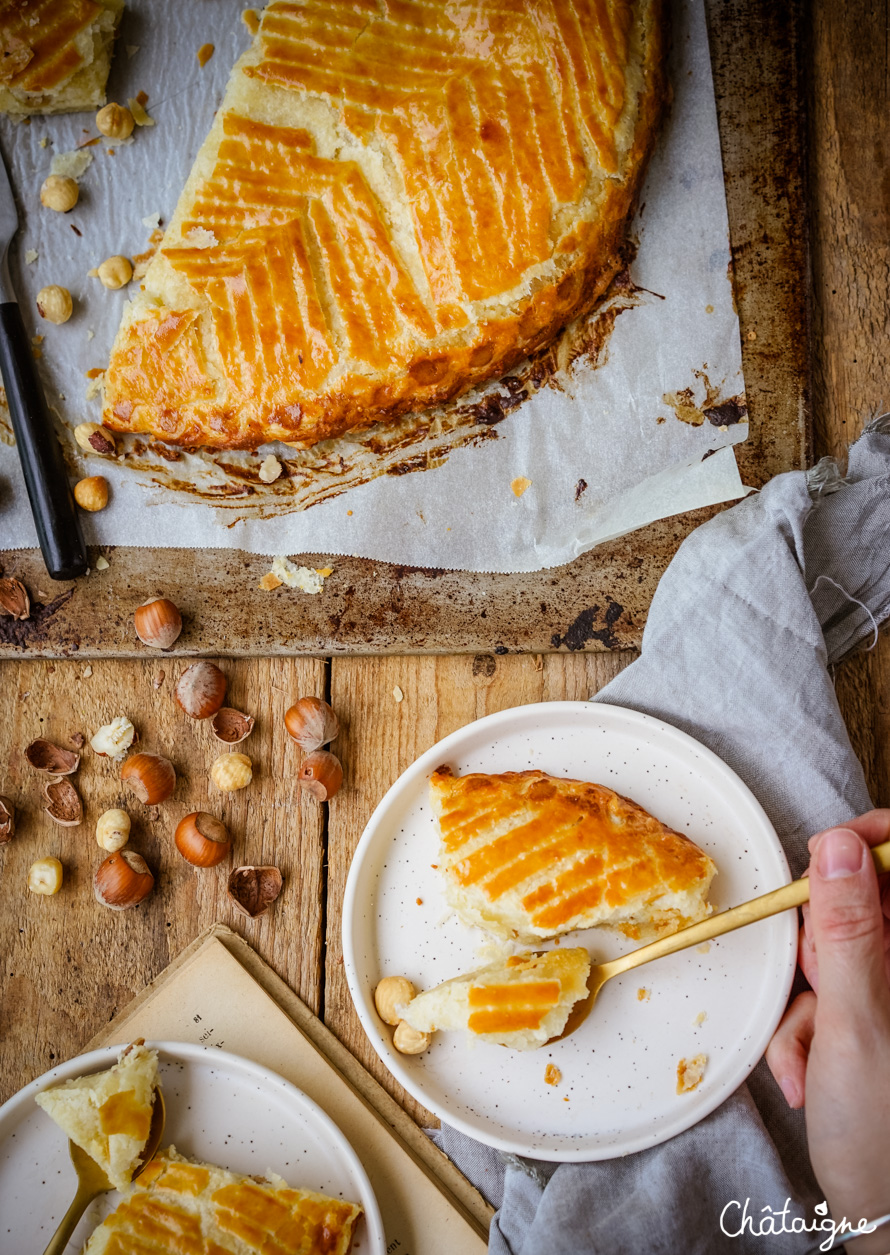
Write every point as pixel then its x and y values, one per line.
pixel 600 600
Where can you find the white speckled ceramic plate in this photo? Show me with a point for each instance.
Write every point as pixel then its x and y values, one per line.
pixel 220 1108
pixel 619 1069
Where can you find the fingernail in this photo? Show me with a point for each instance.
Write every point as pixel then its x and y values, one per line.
pixel 840 852
pixel 790 1090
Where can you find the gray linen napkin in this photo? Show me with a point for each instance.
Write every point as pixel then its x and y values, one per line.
pixel 753 610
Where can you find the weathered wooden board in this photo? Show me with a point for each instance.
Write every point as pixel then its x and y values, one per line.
pixel 599 601
pixel 69 963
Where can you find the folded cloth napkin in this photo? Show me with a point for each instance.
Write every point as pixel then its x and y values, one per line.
pixel 755 608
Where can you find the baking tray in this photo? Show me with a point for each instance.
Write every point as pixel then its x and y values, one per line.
pixel 598 601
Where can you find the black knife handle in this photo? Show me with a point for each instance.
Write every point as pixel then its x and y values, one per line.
pixel 43 464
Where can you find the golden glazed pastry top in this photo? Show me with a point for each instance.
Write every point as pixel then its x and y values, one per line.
pixel 398 199
pixel 177 1207
pixel 529 855
pixel 55 54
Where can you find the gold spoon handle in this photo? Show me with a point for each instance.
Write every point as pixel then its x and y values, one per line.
pixel 727 921
pixel 82 1199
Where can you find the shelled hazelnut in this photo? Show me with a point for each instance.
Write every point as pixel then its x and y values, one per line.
pixel 231 772
pixel 59 193
pixel 408 1041
pixel 158 623
pixel 93 438
pixel 115 121
pixel 123 880
pixel 115 272
pixel 202 840
pixel 45 876
pixel 113 830
pixel 54 303
pixel 392 992
pixel 113 739
pixel 92 493
pixel 150 776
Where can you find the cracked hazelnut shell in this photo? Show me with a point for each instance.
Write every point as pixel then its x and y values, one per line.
pixel 231 726
pixel 14 599
pixel 65 806
pixel 254 889
pixel 44 756
pixel 7 820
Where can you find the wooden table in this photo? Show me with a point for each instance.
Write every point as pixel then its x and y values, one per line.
pixel 68 964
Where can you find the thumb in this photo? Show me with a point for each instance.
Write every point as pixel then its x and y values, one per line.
pixel 847 923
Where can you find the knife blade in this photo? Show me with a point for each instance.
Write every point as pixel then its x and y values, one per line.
pixel 43 464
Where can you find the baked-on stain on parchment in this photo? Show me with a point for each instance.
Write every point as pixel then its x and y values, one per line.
pixel 720 413
pixel 417 442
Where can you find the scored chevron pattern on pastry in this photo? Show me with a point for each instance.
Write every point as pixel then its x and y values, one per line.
pixel 38 48
pixel 399 199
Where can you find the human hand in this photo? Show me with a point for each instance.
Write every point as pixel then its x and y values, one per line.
pixel 832 1050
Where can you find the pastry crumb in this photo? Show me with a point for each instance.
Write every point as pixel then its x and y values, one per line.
pixel 31 255
pixel 94 387
pixel 303 578
pixel 520 485
pixel 419 901
pixel 552 1074
pixel 269 581
pixel 690 1073
pixel 700 1019
pixel 205 52
pixel 71 165
pixel 398 694
pixel 643 994
pixel 137 108
pixel 704 948
pixel 102 564
pixel 132 49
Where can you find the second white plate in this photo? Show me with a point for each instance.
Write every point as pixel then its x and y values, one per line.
pixel 619 1070
pixel 220 1108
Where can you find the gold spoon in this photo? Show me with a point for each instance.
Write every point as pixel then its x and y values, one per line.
pixel 768 904
pixel 92 1181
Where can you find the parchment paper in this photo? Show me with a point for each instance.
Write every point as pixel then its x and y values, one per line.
pixel 639 427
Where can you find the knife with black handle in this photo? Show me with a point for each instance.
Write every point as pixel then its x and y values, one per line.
pixel 43 464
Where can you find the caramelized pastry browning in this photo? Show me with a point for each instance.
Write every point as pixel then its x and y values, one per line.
pixel 176 1205
pixel 55 54
pixel 525 854
pixel 399 199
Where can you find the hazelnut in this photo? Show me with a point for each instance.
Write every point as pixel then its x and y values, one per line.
pixel 311 723
pixel 231 772
pixel 59 192
pixel 54 303
pixel 93 438
pixel 113 739
pixel 92 493
pixel 115 272
pixel 7 820
pixel 113 830
pixel 408 1041
pixel 201 690
pixel 321 775
pixel 65 806
pixel 45 876
pixel 150 776
pixel 158 623
pixel 254 889
pixel 391 993
pixel 123 880
pixel 115 121
pixel 202 840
